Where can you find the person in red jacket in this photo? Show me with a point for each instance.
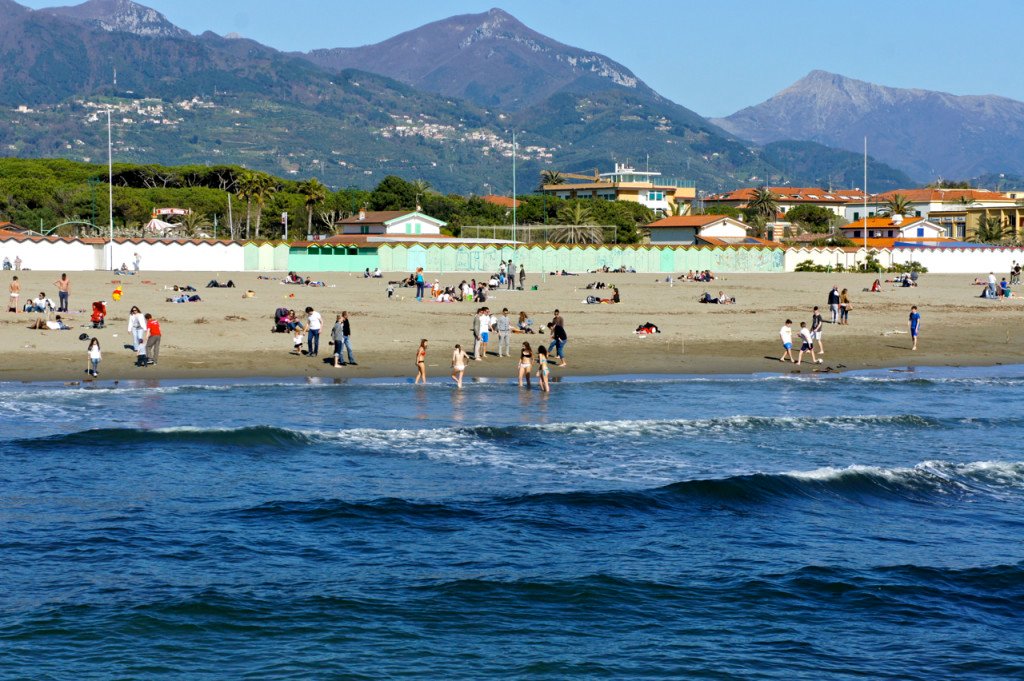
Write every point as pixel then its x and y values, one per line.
pixel 153 336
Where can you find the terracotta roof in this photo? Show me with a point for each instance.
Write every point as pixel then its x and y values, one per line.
pixel 888 243
pixel 793 194
pixel 688 220
pixel 942 195
pixel 748 241
pixel 503 201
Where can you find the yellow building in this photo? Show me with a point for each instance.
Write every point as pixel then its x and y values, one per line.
pixel 963 223
pixel 663 196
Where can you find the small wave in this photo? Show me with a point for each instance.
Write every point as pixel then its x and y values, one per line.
pixel 337 509
pixel 252 436
pixel 927 482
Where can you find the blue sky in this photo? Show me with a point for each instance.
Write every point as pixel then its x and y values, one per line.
pixel 712 56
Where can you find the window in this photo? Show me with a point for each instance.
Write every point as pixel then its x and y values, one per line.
pixel 353 251
pixel 419 228
pixel 920 232
pixel 917 213
pixel 655 196
pixel 856 215
pixel 408 228
pixel 890 233
pixel 364 229
pixel 856 234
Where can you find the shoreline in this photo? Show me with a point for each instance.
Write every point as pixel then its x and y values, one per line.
pixel 144 379
pixel 227 336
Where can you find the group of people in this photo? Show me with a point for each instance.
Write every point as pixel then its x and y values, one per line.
pixel 839 305
pixel 703 275
pixel 998 290
pixel 484 325
pixel 15 266
pixel 471 290
pixel 308 332
pixel 808 337
pixel 146 335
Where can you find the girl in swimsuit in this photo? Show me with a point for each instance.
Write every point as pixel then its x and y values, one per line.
pixel 458 365
pixel 525 364
pixel 542 368
pixel 421 362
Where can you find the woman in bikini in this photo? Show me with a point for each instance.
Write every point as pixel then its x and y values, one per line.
pixel 525 364
pixel 542 368
pixel 459 358
pixel 421 362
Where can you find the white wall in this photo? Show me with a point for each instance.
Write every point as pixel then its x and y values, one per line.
pixel 976 261
pixel 725 228
pixel 66 255
pixel 56 255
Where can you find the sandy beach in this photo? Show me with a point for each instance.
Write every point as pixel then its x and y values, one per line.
pixel 227 335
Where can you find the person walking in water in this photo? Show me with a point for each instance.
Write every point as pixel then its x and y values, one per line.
pixel 421 363
pixel 542 368
pixel 915 325
pixel 525 364
pixel 459 358
pixel 63 289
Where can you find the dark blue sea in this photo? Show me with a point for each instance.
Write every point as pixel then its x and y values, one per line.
pixel 859 526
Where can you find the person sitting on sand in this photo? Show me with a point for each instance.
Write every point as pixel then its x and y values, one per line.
pixel 876 287
pixel 524 325
pixel 647 329
pixel 1004 289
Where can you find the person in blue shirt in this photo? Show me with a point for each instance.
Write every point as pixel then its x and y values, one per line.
pixel 915 325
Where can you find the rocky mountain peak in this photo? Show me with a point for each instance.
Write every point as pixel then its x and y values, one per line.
pixel 121 16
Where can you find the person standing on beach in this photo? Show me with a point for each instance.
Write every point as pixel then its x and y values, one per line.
pixel 485 331
pixel 63 289
pixel 816 326
pixel 459 358
pixel 17 263
pixel 137 328
pixel 558 340
pixel 477 323
pixel 94 357
pixel 915 325
pixel 786 333
pixel 806 344
pixel 342 340
pixel 421 363
pixel 511 276
pixel 136 262
pixel 12 305
pixel 504 328
pixel 419 284
pixel 522 277
pixel 992 284
pixel 833 303
pixel 314 322
pixel 844 307
pixel 153 336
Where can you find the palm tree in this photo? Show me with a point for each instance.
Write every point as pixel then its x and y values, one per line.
pixel 264 186
pixel 551 177
pixel 763 204
pixel 577 225
pixel 314 192
pixel 192 223
pixel 990 230
pixel 898 204
pixel 966 199
pixel 245 188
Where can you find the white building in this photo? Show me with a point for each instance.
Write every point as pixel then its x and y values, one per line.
pixel 392 223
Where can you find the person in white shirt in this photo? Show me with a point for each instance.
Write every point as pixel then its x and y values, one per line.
pixel 806 344
pixel 992 284
pixel 786 333
pixel 314 322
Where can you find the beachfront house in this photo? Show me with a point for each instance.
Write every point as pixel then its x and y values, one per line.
pixel 646 187
pixel 893 227
pixel 957 211
pixel 692 230
pixel 391 223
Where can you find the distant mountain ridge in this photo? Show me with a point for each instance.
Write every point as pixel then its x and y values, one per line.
pixel 491 59
pixel 183 98
pixel 927 134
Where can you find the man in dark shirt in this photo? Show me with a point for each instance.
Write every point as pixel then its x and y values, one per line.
pixel 558 340
pixel 833 303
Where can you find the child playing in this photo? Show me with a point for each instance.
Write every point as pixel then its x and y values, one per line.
pixel 915 325
pixel 297 340
pixel 94 357
pixel 806 345
pixel 786 333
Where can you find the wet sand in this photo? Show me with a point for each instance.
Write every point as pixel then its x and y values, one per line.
pixel 227 336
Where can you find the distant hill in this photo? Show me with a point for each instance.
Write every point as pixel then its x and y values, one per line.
pixel 183 98
pixel 821 166
pixel 926 134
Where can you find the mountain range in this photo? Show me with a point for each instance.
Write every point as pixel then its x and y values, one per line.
pixel 926 134
pixel 437 103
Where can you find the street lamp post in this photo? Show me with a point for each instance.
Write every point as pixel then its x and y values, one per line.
pixel 110 180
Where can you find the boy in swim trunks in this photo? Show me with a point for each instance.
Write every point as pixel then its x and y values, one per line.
pixel 786 333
